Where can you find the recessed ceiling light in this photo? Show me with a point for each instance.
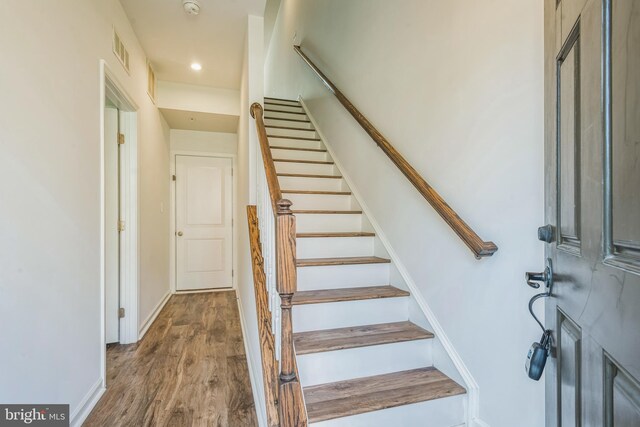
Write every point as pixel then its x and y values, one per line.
pixel 196 66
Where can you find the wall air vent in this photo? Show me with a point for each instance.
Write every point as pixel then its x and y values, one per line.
pixel 151 82
pixel 120 50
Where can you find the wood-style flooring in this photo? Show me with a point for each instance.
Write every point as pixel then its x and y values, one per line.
pixel 189 370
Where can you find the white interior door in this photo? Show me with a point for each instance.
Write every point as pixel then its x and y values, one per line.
pixel 204 244
pixel 112 239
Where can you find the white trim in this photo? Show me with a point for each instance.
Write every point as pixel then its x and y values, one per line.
pixel 154 314
pixel 87 403
pixel 129 279
pixel 473 391
pixel 172 217
pixel 258 400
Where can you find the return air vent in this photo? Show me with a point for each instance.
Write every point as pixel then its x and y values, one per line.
pixel 120 50
pixel 151 82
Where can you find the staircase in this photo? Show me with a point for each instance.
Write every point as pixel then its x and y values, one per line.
pixel 360 361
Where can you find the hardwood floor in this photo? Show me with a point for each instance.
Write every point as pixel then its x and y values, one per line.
pixel 189 370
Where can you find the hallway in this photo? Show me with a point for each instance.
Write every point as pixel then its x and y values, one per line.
pixel 189 370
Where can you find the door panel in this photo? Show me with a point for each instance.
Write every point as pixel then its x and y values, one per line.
pixel 203 222
pixel 592 181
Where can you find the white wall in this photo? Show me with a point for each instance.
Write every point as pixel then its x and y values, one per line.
pixel 251 91
pixel 50 194
pixel 199 141
pixel 204 99
pixel 457 86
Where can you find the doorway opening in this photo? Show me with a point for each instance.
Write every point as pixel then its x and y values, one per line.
pixel 119 213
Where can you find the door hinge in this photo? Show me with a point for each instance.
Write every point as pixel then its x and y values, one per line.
pixel 120 138
pixel 121 312
pixel 173 177
pixel 120 226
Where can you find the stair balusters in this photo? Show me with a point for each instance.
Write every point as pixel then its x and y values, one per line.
pixel 278 226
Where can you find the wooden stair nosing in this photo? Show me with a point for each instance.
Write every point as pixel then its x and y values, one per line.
pixel 304 175
pixel 280 99
pixel 361 395
pixel 293 137
pixel 320 262
pixel 358 336
pixel 318 192
pixel 315 150
pixel 324 212
pixel 335 234
pixel 288 128
pixel 287 120
pixel 316 162
pixel 321 296
pixel 281 104
pixel 282 111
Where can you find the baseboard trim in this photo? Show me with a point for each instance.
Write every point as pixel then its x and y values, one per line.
pixel 154 314
pixel 87 404
pixel 471 385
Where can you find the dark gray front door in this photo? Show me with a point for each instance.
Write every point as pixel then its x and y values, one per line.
pixel 592 179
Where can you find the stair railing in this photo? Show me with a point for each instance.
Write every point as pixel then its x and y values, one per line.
pixel 278 235
pixel 479 247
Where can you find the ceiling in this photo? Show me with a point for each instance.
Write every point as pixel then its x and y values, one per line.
pixel 193 120
pixel 214 38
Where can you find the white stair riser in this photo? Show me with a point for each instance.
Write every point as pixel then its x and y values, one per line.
pixel 281 106
pixel 280 122
pixel 280 115
pixel 295 143
pixel 304 183
pixel 270 100
pixel 321 201
pixel 339 365
pixel 342 276
pixel 305 168
pixel 307 223
pixel 314 317
pixel 299 155
pixel 447 412
pixel 291 132
pixel 330 247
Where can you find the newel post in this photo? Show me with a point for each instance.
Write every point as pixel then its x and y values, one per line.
pixel 292 409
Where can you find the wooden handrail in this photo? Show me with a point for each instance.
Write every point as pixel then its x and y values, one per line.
pixel 269 167
pixel 292 411
pixel 479 247
pixel 265 329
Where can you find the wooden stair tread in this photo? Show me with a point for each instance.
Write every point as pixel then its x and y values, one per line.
pixel 358 336
pixel 288 128
pixel 299 138
pixel 320 296
pixel 284 111
pixel 280 99
pixel 278 147
pixel 325 212
pixel 317 262
pixel 336 234
pixel 360 395
pixel 287 120
pixel 315 162
pixel 304 175
pixel 333 193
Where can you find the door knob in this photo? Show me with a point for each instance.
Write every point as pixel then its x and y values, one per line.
pixel 545 277
pixel 179 233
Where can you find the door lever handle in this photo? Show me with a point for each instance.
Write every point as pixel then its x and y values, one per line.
pixel 546 277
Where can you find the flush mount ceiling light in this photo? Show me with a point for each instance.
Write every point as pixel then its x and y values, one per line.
pixel 191 7
pixel 195 66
